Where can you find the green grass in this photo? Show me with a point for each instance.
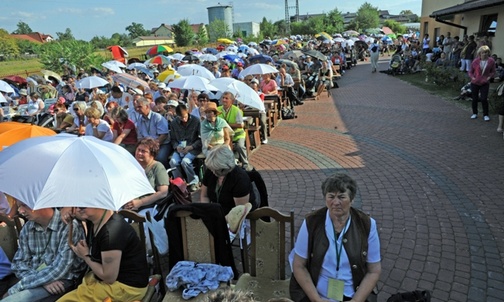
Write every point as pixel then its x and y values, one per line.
pixel 20 67
pixel 446 93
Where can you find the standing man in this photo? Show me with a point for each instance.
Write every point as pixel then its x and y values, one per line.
pixel 285 81
pixel 467 54
pixel 152 124
pixel 448 46
pixel 374 50
pixel 186 141
pixel 44 265
pixel 234 117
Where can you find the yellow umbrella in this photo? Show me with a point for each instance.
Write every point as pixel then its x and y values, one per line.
pixel 281 42
pixel 323 35
pixel 12 132
pixel 225 41
pixel 167 75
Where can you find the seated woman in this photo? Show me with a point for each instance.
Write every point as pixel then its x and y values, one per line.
pixel 80 120
pixel 268 85
pixel 325 77
pixel 96 126
pixel 124 130
pixel 63 118
pixel 146 152
pixel 115 256
pixel 214 130
pixel 337 252
pixel 224 182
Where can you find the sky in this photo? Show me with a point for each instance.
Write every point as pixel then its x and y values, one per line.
pixel 89 18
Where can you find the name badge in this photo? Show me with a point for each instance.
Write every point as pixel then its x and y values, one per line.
pixel 335 289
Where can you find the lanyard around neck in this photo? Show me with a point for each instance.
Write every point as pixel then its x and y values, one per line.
pixel 339 249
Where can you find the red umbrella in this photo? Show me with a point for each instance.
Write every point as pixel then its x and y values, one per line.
pixel 157 49
pixel 16 79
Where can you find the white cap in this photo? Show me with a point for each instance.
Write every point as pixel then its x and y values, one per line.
pixel 161 85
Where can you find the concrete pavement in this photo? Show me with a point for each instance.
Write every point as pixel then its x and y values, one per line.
pixel 429 175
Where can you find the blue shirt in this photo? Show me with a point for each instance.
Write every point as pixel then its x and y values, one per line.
pixel 5 265
pixel 153 125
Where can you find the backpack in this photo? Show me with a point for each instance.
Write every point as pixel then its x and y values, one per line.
pixel 178 194
pixel 374 48
pixel 288 113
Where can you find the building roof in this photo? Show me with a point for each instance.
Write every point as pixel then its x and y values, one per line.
pixel 143 38
pixel 153 30
pixel 195 27
pixel 34 37
pixel 465 7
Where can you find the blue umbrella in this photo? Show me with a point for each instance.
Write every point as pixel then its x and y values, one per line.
pixel 145 70
pixel 233 58
pixel 212 50
pixel 243 48
pixel 261 59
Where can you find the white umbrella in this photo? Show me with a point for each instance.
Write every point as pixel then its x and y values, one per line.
pixel 258 69
pixel 339 39
pixel 5 87
pixel 242 92
pixel 71 171
pixel 192 83
pixel 252 44
pixel 252 52
pixel 2 99
pixel 208 57
pixel 221 54
pixel 350 42
pixel 177 56
pixel 136 65
pixel 113 66
pixel 91 82
pixel 232 48
pixel 194 69
pixel 130 80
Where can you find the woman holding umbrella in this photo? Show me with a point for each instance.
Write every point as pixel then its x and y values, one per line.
pixel 115 256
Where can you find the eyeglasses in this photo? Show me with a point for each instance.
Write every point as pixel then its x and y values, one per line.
pixel 81 208
pixel 76 109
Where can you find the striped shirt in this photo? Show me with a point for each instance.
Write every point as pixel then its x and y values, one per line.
pixel 44 256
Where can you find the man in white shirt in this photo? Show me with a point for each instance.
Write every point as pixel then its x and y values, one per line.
pixel 123 99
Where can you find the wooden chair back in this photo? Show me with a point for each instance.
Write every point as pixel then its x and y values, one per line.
pixel 137 222
pixel 8 236
pixel 197 242
pixel 268 240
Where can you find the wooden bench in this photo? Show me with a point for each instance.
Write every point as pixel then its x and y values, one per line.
pixel 253 137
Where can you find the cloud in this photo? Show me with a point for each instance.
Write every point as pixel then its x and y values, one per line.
pixel 265 5
pixel 69 10
pixel 25 15
pixel 102 11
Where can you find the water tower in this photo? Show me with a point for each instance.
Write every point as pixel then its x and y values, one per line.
pixel 222 12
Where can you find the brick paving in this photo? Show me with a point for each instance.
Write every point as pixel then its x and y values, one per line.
pixel 430 176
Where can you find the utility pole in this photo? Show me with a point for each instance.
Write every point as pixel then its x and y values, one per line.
pixel 287 17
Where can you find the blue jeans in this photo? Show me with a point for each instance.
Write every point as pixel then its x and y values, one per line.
pixel 186 163
pixel 37 293
pixel 164 152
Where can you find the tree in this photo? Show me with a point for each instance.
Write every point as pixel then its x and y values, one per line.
pixel 281 28
pixel 59 54
pixel 334 22
pixel 22 28
pixel 267 28
pixel 395 26
pixel 27 47
pixel 137 30
pixel 8 46
pixel 66 36
pixel 406 12
pixel 202 35
pixel 367 17
pixel 183 33
pixel 218 29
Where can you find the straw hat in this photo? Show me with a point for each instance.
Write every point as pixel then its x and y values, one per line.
pixel 211 106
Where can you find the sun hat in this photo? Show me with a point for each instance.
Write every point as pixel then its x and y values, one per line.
pixel 23 91
pixel 211 106
pixel 161 85
pixel 167 89
pixel 172 103
pixel 236 216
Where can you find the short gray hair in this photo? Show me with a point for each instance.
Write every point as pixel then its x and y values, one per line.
pixel 220 160
pixel 81 105
pixel 341 183
pixel 143 101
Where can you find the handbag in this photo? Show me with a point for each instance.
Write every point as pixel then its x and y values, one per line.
pixel 414 296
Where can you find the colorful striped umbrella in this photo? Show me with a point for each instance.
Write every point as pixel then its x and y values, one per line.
pixel 157 49
pixel 160 60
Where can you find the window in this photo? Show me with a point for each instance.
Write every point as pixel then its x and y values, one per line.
pixel 488 24
pixel 426 28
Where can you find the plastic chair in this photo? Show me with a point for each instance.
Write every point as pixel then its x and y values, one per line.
pixel 267 278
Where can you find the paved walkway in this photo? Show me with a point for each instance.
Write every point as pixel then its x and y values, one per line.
pixel 430 176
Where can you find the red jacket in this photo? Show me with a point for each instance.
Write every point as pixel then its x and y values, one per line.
pixel 481 77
